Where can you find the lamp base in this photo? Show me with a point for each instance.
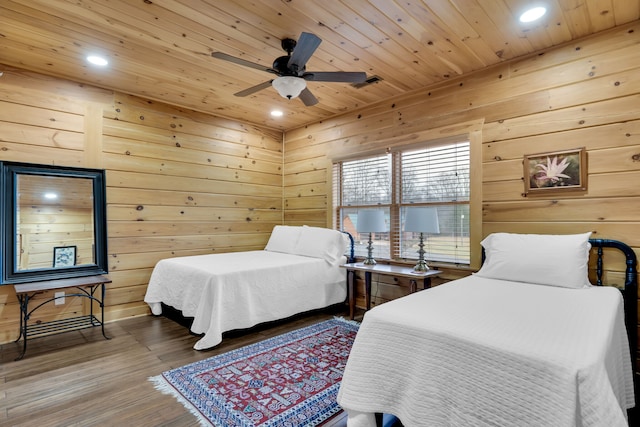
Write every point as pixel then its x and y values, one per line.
pixel 369 259
pixel 421 267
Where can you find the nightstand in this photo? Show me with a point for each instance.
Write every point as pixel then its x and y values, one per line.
pixel 390 270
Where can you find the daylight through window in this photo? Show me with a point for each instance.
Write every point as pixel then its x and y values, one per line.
pixel 435 176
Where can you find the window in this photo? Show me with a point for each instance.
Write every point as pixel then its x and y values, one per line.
pixel 435 176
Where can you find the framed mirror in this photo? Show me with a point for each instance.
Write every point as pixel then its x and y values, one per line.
pixel 53 222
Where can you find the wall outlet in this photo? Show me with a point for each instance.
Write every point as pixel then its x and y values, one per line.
pixel 59 298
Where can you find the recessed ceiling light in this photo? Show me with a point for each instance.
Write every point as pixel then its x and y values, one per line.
pixel 50 196
pixel 277 113
pixel 533 14
pixel 97 60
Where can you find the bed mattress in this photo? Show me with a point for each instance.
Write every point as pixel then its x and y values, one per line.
pixel 485 352
pixel 238 290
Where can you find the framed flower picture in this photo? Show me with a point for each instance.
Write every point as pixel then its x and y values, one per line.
pixel 558 171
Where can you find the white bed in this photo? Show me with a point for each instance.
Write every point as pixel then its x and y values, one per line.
pixel 482 351
pixel 298 271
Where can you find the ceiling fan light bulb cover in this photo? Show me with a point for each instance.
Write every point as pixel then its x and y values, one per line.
pixel 288 86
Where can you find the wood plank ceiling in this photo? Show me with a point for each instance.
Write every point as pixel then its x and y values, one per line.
pixel 161 49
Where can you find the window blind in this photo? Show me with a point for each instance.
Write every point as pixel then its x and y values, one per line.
pixel 430 176
pixel 436 177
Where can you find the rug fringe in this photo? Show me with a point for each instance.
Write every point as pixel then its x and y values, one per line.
pixel 161 384
pixel 342 319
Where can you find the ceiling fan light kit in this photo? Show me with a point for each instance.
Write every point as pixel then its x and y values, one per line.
pixel 291 71
pixel 288 86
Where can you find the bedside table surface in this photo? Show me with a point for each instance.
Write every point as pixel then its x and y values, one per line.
pixel 396 270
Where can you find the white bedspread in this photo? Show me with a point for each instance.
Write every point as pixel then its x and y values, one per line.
pixel 481 352
pixel 238 290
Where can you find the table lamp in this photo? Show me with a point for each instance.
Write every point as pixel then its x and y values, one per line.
pixel 421 220
pixel 370 221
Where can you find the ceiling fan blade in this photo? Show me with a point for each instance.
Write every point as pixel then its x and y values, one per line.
pixel 335 76
pixel 306 45
pixel 254 89
pixel 241 61
pixel 307 97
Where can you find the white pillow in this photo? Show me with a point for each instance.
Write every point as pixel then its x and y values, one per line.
pixel 556 260
pixel 284 238
pixel 322 243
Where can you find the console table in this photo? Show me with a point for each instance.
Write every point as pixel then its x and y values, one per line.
pixel 84 287
pixel 390 270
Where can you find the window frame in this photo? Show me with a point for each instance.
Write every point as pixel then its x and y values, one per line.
pixel 396 205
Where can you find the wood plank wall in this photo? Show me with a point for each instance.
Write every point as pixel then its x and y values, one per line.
pixel 178 182
pixel 584 94
pixel 182 183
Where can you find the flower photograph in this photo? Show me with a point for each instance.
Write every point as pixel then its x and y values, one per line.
pixel 562 170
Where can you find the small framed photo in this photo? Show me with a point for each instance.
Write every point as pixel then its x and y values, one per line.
pixel 559 171
pixel 64 256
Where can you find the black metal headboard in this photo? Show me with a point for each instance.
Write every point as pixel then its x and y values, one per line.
pixel 352 250
pixel 630 290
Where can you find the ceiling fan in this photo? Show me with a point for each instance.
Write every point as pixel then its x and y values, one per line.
pixel 291 71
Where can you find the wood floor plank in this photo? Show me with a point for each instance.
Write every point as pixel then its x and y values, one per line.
pixel 81 379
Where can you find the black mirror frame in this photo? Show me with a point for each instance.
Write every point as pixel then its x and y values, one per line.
pixel 9 273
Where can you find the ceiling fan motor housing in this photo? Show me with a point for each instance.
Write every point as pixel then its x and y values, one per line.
pixel 280 65
pixel 288 45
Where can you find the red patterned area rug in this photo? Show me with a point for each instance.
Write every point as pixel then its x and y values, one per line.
pixel 289 380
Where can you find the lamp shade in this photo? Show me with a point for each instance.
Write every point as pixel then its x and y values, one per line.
pixel 422 220
pixel 289 86
pixel 371 221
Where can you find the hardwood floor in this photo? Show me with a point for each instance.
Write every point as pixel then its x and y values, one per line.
pixel 80 379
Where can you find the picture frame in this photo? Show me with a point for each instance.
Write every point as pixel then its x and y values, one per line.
pixel 64 256
pixel 555 172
